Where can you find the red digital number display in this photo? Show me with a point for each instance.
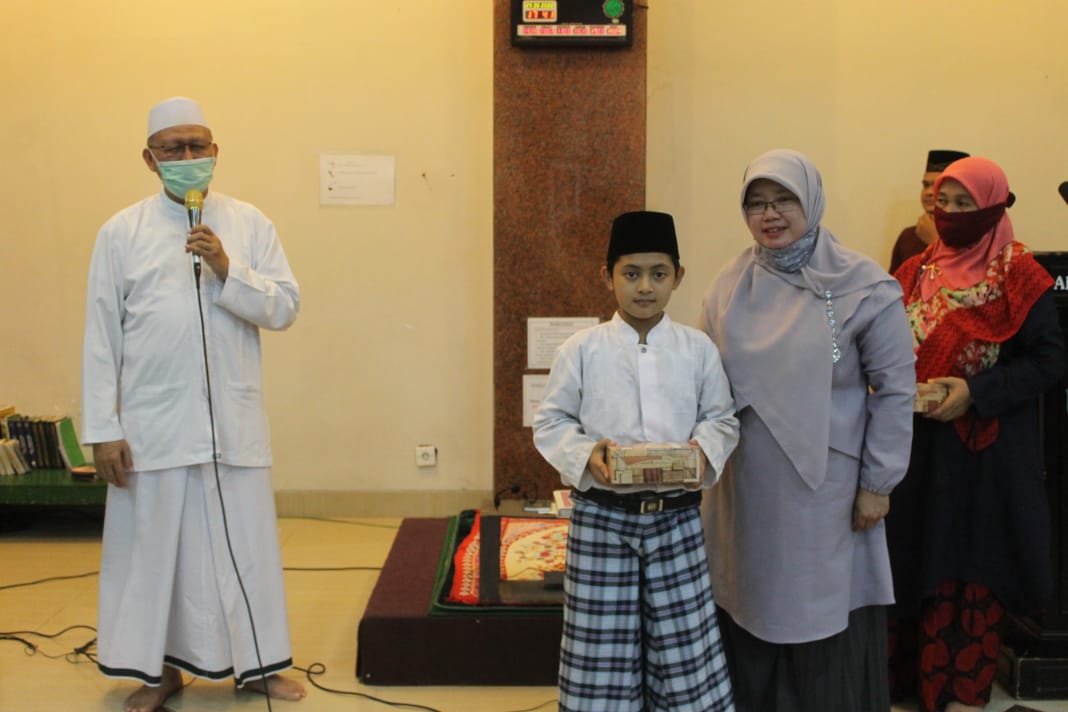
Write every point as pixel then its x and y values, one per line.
pixel 539 15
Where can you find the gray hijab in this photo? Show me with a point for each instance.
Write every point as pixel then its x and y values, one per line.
pixel 802 179
pixel 776 330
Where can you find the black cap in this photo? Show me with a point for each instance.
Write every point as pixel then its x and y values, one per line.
pixel 938 161
pixel 642 231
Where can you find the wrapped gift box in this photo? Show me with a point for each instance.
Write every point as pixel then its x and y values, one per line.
pixel 653 463
pixel 928 397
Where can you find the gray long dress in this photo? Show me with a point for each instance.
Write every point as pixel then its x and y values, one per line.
pixel 785 561
pixel 818 350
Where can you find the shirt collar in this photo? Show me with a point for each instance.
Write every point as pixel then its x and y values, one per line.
pixel 627 332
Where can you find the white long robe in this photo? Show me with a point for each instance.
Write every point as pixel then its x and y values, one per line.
pixel 168 590
pixel 143 362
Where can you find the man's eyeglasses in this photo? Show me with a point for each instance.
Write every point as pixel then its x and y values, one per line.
pixel 782 205
pixel 176 151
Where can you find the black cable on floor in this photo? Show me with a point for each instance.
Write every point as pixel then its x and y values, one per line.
pixel 536 707
pixel 336 568
pixel 31 648
pixel 312 671
pixel 344 521
pixel 95 573
pixel 514 489
pixel 316 669
pixel 50 578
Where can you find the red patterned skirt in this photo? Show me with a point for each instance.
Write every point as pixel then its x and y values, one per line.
pixel 951 654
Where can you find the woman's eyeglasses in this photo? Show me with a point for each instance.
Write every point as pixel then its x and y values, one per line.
pixel 782 205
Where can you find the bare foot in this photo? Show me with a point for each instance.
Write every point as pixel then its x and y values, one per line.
pixel 150 699
pixel 279 688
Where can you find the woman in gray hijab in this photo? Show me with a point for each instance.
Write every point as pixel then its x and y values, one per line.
pixel 814 339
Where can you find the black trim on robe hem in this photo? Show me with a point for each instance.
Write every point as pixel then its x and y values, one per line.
pixel 185 667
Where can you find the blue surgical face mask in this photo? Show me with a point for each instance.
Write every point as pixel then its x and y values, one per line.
pixel 179 177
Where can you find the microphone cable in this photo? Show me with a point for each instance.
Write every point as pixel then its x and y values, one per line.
pixel 218 484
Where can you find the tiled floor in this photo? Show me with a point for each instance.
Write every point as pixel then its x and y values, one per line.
pixel 324 606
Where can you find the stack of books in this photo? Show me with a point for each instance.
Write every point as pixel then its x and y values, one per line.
pixel 12 461
pixel 46 442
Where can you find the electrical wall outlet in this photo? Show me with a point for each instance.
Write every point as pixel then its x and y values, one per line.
pixel 426 455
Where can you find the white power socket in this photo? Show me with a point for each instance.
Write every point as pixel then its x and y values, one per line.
pixel 426 455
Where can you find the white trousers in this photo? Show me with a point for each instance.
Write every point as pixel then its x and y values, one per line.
pixel 168 588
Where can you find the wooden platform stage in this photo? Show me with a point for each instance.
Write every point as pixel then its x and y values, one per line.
pixel 400 642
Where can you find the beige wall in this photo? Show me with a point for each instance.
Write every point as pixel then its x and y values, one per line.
pixel 394 343
pixel 864 89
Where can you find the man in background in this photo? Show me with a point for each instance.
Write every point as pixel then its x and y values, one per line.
pixel 173 306
pixel 914 239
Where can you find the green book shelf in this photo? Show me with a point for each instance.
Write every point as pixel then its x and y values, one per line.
pixel 50 487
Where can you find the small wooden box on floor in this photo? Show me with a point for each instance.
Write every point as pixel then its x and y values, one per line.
pixel 1033 678
pixel 1032 662
pixel 400 643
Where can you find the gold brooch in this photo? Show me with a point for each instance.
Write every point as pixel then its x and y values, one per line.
pixel 932 270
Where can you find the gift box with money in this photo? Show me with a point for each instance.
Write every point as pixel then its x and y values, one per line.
pixel 653 463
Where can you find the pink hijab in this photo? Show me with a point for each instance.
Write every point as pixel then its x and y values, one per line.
pixel 960 268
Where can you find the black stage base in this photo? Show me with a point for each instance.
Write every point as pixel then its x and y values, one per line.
pixel 1033 661
pixel 1033 678
pixel 400 643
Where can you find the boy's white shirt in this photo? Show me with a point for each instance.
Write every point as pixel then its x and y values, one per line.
pixel 604 384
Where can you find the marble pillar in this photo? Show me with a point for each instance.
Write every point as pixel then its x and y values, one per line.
pixel 568 156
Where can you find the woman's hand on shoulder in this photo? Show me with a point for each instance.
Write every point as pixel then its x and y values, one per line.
pixel 956 403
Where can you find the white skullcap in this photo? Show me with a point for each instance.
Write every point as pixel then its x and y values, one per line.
pixel 176 111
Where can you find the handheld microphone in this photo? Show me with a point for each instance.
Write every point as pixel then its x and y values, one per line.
pixel 1063 190
pixel 194 204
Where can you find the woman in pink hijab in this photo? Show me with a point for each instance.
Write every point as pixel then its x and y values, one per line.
pixel 968 527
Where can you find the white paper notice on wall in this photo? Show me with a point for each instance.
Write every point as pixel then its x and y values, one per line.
pixel 356 179
pixel 533 387
pixel 544 334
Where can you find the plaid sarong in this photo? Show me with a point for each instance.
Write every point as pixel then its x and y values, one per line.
pixel 640 631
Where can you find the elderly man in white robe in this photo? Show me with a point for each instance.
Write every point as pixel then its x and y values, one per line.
pixel 191 574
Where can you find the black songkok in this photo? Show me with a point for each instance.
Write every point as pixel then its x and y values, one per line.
pixel 938 161
pixel 642 231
